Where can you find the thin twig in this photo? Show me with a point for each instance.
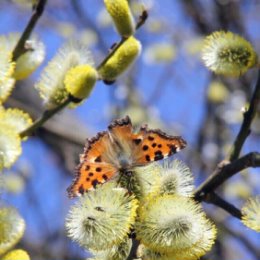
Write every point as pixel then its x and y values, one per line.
pixel 248 118
pixel 112 52
pixel 46 115
pixel 213 198
pixel 142 19
pixel 20 46
pixel 133 251
pixel 225 171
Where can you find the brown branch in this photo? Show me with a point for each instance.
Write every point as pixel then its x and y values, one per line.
pixel 213 198
pixel 46 115
pixel 37 12
pixel 225 171
pixel 133 251
pixel 248 118
pixel 142 19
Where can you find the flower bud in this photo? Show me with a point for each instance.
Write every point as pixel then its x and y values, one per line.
pixel 176 178
pixel 29 61
pixel 6 64
pixel 15 119
pixel 6 88
pixel 171 224
pixel 102 218
pixel 12 228
pixel 16 254
pixel 79 81
pixel 51 84
pixel 120 61
pixel 228 54
pixel 122 16
pixel 10 144
pixel 251 213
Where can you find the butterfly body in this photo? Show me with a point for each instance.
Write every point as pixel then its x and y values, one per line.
pixel 118 150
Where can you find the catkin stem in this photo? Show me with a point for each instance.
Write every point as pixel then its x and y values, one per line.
pixel 37 12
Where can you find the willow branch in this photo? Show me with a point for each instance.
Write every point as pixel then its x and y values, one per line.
pixel 133 251
pixel 46 115
pixel 37 12
pixel 248 118
pixel 225 171
pixel 213 198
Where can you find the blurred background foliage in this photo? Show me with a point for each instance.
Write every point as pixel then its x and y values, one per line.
pixel 168 88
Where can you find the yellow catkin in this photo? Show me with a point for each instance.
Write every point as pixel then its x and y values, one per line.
pixel 6 64
pixel 16 119
pixel 170 224
pixel 12 228
pixel 10 144
pixel 251 213
pixel 79 81
pixel 6 89
pixel 122 16
pixel 102 218
pixel 16 254
pixel 28 62
pixel 120 60
pixel 228 54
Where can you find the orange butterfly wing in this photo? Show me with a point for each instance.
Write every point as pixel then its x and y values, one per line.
pixel 157 145
pixel 94 167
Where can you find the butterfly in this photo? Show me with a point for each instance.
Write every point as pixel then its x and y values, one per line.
pixel 118 150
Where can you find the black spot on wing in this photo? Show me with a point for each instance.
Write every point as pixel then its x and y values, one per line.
pixel 158 155
pixel 147 158
pixel 95 183
pixel 145 147
pixel 81 189
pixel 137 141
pixel 105 177
pixel 150 138
pixel 172 149
pixel 98 159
